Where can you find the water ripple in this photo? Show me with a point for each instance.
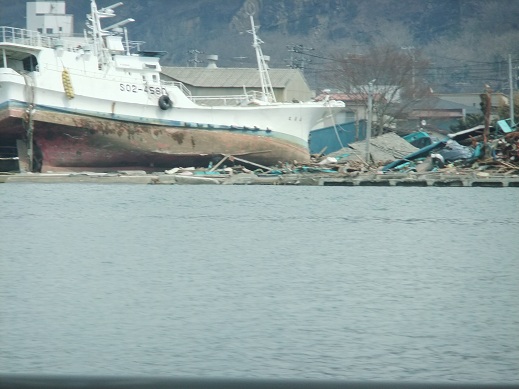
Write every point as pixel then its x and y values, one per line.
pixel 403 284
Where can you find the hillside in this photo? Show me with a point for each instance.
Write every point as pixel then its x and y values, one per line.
pixel 466 41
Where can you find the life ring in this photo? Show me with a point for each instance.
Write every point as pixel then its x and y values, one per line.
pixel 165 102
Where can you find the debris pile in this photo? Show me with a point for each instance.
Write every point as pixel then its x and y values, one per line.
pixel 457 153
pixel 382 149
pixel 464 151
pixel 504 154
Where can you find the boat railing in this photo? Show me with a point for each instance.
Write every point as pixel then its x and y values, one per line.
pixel 242 99
pixel 210 100
pixel 221 100
pixel 179 85
pixel 260 96
pixel 133 46
pixel 21 36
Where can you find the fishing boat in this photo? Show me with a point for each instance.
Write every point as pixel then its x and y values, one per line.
pixel 97 102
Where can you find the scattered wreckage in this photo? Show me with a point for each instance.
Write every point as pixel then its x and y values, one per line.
pixel 461 159
pixel 498 152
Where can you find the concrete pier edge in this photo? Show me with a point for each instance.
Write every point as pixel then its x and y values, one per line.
pixel 436 179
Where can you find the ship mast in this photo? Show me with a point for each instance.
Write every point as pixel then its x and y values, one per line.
pixel 266 84
pixel 97 32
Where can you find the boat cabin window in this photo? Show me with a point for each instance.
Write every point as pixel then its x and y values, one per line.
pixel 40 30
pixel 30 63
pixel 49 30
pixel 154 77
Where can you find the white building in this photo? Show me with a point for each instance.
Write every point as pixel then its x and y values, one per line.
pixel 49 17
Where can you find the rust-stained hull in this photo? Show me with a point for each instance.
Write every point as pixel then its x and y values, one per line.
pixel 73 142
pixel 97 104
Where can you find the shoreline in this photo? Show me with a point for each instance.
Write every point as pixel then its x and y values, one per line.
pixel 426 179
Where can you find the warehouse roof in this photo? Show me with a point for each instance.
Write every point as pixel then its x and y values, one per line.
pixel 230 77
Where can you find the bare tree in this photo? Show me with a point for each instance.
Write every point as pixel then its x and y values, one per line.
pixel 504 109
pixel 397 75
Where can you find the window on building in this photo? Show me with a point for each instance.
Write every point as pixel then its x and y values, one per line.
pixel 49 31
pixel 60 29
pixel 40 30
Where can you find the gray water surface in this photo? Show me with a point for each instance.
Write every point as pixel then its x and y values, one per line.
pixel 387 284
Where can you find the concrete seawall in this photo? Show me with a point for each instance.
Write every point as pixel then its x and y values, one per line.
pixel 472 179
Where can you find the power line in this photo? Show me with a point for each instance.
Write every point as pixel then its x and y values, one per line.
pixel 298 61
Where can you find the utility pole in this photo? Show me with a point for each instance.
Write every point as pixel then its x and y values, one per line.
pixel 488 95
pixel 511 83
pixel 411 51
pixel 194 60
pixel 368 124
pixel 299 62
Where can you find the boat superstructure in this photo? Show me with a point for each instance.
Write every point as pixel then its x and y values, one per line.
pixel 97 102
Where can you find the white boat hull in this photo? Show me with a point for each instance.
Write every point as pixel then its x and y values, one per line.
pixel 79 110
